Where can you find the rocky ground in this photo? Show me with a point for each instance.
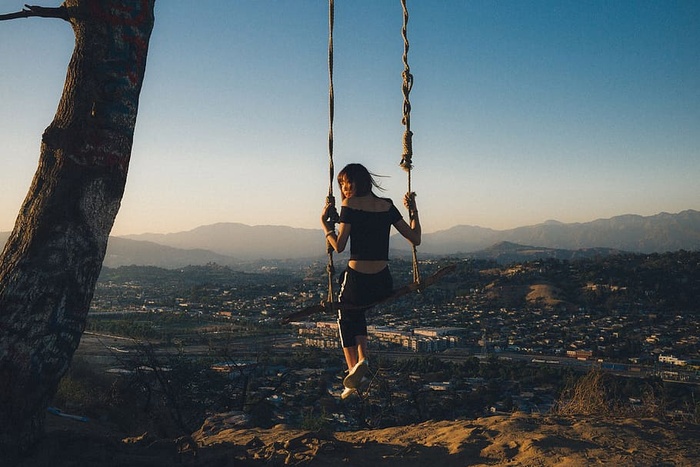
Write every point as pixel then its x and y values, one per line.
pixel 513 440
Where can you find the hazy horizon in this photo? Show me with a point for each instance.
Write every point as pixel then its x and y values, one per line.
pixel 188 229
pixel 424 230
pixel 522 111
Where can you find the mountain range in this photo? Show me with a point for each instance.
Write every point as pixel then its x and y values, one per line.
pixel 234 243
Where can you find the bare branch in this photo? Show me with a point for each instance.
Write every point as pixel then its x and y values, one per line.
pixel 40 11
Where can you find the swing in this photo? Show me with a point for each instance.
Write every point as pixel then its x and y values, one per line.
pixel 406 163
pixel 397 293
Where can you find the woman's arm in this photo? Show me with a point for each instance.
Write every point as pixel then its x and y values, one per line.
pixel 412 232
pixel 340 240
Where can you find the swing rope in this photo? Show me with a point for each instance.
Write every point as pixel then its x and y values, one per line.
pixel 330 199
pixel 407 156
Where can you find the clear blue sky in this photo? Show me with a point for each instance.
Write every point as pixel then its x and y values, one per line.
pixel 523 111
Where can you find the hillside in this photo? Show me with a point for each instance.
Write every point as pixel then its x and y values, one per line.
pixel 236 244
pixel 245 242
pixel 659 233
pixel 513 440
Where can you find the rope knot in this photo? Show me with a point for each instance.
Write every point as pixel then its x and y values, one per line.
pixel 407 156
pixel 407 81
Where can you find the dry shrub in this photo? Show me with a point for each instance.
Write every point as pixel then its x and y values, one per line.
pixel 586 396
pixel 594 394
pixel 650 406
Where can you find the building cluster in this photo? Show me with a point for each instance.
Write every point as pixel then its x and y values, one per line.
pixel 324 334
pixel 671 360
pixel 579 354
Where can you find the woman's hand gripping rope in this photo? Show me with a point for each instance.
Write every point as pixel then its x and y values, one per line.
pixel 329 215
pixel 409 201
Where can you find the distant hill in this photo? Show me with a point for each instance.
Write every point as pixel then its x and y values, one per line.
pixel 659 233
pixel 245 242
pixel 507 252
pixel 125 252
pixel 233 243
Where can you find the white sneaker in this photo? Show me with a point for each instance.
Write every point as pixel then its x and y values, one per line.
pixel 346 393
pixel 354 377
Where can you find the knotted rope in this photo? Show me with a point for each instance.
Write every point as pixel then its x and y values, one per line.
pixel 330 199
pixel 407 156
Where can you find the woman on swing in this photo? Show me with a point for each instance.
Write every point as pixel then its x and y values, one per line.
pixel 365 219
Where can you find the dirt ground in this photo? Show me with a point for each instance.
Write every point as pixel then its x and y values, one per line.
pixel 513 440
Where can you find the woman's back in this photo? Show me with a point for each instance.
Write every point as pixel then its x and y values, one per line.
pixel 370 219
pixel 368 203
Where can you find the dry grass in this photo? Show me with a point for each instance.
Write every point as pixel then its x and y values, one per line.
pixel 590 396
pixel 587 396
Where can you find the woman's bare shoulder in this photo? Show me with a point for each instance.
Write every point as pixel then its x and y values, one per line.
pixel 383 204
pixel 367 203
pixel 378 204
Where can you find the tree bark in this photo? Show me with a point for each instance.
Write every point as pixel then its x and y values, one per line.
pixel 53 257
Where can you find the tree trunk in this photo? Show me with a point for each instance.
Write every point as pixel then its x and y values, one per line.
pixel 53 257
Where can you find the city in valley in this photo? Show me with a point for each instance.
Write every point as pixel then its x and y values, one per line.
pixel 488 338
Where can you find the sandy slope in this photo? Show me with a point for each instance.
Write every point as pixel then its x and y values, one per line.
pixel 517 440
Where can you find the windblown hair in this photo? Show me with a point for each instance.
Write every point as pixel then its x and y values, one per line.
pixel 362 178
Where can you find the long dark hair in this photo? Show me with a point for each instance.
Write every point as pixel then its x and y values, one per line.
pixel 363 179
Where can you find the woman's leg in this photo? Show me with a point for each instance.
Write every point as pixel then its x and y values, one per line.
pixel 351 356
pixel 361 347
pixel 356 353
